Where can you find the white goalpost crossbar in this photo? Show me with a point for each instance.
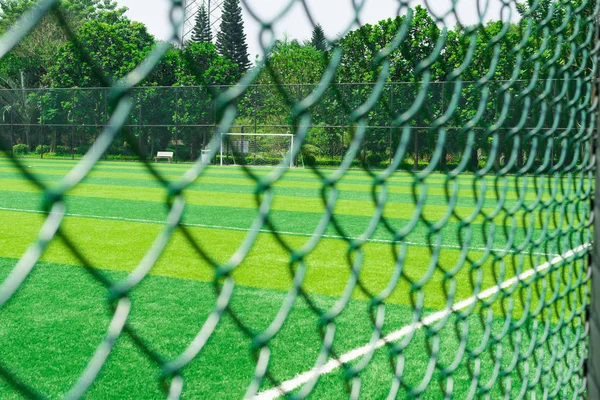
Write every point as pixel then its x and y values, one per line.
pixel 290 135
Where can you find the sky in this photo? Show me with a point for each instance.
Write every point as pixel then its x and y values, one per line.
pixel 334 15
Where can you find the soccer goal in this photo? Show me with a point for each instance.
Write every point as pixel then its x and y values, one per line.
pixel 262 149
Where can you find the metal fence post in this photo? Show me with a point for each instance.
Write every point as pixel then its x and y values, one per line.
pixel 391 142
pixel 42 140
pixel 12 130
pixel 72 125
pixel 593 361
pixel 176 120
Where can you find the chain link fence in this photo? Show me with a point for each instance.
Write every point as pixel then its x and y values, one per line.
pixel 531 137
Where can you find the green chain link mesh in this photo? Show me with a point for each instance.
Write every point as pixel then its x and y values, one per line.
pixel 530 135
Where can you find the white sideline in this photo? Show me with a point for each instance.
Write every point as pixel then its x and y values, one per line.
pixel 233 228
pixel 333 364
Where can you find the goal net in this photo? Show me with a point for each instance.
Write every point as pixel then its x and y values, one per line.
pixel 262 149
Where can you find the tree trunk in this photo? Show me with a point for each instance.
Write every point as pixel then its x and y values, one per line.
pixel 416 158
pixel 474 160
pixel 152 146
pixel 27 138
pixel 443 158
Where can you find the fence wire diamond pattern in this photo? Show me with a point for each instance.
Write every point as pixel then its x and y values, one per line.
pixel 531 136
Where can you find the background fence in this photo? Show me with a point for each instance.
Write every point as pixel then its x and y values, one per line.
pixel 65 122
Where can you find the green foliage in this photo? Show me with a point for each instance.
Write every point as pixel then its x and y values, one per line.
pixel 292 71
pixel 231 39
pixel 311 149
pixel 293 63
pixel 42 148
pixel 374 159
pixel 75 11
pixel 202 32
pixel 20 149
pixel 196 64
pixel 168 70
pixel 34 54
pixel 310 154
pixel 204 66
pixel 108 40
pixel 62 151
pixel 318 39
pixel 360 47
pixel 297 66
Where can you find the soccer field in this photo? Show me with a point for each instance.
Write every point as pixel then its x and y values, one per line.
pixel 519 334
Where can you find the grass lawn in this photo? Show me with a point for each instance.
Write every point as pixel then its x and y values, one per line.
pixel 526 337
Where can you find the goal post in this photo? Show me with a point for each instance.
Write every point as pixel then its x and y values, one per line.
pixel 261 149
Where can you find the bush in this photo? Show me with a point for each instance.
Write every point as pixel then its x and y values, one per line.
pixel 373 160
pixel 183 153
pixel 309 154
pixel 20 149
pixel 83 149
pixel 311 149
pixel 120 157
pixel 309 160
pixel 42 149
pixel 62 151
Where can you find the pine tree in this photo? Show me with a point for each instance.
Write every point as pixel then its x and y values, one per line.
pixel 318 38
pixel 231 39
pixel 202 32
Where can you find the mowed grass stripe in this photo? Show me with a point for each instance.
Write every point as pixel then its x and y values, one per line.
pixel 349 188
pixel 119 245
pixel 435 195
pixel 392 210
pixel 306 177
pixel 350 176
pixel 300 223
pixel 290 190
pixel 71 318
pixel 53 325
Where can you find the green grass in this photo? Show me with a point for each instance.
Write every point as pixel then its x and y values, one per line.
pixel 54 323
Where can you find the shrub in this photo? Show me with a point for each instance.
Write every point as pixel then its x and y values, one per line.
pixel 373 160
pixel 20 149
pixel 309 160
pixel 310 149
pixel 183 153
pixel 42 148
pixel 309 154
pixel 82 149
pixel 62 151
pixel 120 157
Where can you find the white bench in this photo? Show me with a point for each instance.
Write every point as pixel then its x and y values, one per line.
pixel 164 154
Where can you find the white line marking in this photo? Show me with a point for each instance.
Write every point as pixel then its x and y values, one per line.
pixel 333 364
pixel 233 228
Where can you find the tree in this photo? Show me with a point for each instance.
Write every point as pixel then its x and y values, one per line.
pixel 202 65
pixel 231 39
pixel 318 38
pixel 39 48
pixel 202 32
pixel 107 41
pixel 293 63
pixel 17 104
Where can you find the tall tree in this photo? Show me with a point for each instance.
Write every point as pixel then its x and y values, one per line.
pixel 39 49
pixel 106 42
pixel 231 39
pixel 202 32
pixel 318 38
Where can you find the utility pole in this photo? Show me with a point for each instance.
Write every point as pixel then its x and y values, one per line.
pixel 213 8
